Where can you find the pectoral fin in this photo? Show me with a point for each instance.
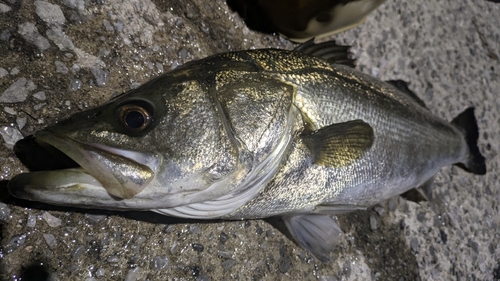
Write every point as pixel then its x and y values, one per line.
pixel 317 234
pixel 341 144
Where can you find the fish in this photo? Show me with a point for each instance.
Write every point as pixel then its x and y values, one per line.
pixel 293 134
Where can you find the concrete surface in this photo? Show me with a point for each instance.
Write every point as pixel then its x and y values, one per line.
pixel 61 57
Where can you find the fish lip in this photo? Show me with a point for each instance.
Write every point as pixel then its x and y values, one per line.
pixel 90 157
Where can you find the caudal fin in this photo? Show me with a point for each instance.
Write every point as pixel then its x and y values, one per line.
pixel 466 121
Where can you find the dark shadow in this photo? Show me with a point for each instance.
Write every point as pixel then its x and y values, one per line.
pixel 496 272
pixel 4 193
pixel 35 272
pixel 279 224
pixel 37 157
pixel 252 14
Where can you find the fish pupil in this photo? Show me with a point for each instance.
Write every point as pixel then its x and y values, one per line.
pixel 135 116
pixel 135 119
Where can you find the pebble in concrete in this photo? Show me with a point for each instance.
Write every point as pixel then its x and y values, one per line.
pixel 10 135
pixel 227 264
pixel 75 84
pixel 30 33
pixel 51 220
pixel 77 252
pixel 373 223
pixel 50 13
pixel 16 242
pixel 4 8
pixel 159 262
pixel 31 221
pixel 4 211
pixel 5 35
pixel 3 72
pixel 40 95
pixel 101 75
pixel 61 67
pixel 113 259
pixel 61 40
pixel 50 239
pixel 95 218
pixel 21 121
pixel 132 274
pixel 198 247
pixel 10 110
pixel 75 4
pixel 107 25
pixel 100 272
pixel 18 91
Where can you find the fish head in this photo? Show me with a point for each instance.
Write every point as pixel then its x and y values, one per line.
pixel 157 146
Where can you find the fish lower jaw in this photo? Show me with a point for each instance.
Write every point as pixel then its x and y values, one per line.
pixel 75 188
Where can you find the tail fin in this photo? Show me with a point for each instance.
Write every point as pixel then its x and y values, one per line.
pixel 466 121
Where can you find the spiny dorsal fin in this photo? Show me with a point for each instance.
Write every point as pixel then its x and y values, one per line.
pixel 340 144
pixel 403 87
pixel 329 51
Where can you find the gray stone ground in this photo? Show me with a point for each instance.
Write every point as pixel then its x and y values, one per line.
pixel 61 57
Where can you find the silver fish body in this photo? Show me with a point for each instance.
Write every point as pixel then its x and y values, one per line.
pixel 254 134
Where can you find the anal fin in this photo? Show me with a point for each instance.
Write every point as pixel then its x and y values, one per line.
pixel 318 234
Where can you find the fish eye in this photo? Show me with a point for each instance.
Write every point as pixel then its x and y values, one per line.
pixel 135 116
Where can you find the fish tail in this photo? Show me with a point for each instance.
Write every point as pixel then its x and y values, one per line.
pixel 466 122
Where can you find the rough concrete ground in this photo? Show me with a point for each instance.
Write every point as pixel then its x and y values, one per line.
pixel 60 58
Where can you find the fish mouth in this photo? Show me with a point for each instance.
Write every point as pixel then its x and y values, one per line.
pixel 82 171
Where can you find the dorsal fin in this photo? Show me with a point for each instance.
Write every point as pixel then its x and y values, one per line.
pixel 329 51
pixel 403 87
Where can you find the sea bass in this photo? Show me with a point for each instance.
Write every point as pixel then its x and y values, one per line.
pixel 251 134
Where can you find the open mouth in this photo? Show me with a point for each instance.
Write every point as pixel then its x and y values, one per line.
pixel 63 165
